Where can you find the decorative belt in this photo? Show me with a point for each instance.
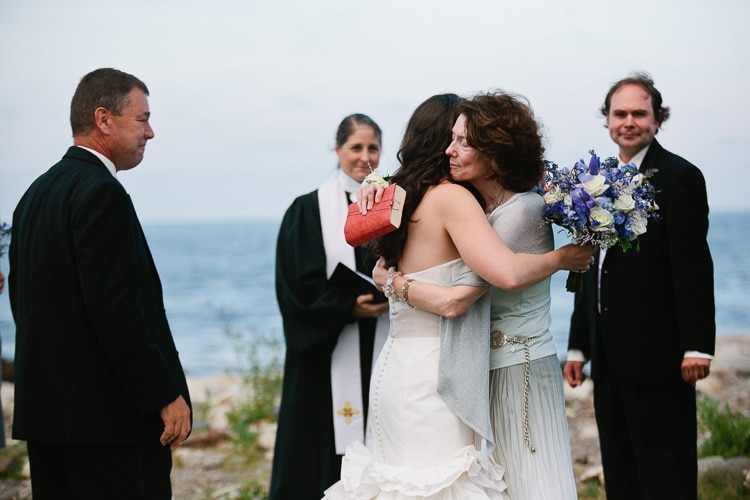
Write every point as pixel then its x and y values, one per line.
pixel 499 339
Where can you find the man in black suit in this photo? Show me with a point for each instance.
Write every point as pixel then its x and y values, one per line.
pixel 646 318
pixel 100 394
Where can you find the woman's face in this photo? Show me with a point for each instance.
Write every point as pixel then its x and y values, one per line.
pixel 466 163
pixel 361 147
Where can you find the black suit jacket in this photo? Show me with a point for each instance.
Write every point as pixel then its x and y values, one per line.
pixel 658 302
pixel 95 359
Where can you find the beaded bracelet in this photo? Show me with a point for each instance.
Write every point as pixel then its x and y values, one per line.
pixel 388 289
pixel 405 292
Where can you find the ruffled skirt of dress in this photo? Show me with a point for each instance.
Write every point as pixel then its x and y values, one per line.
pixel 417 447
pixel 460 479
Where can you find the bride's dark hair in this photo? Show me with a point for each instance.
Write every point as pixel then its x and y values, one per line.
pixel 423 164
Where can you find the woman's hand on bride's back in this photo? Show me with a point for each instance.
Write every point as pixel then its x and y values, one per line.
pixel 575 257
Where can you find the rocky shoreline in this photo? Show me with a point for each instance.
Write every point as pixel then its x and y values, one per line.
pixel 206 466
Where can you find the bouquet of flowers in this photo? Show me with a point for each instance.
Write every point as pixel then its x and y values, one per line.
pixel 4 237
pixel 602 203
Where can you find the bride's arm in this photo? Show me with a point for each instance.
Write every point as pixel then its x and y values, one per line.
pixel 484 252
pixel 449 302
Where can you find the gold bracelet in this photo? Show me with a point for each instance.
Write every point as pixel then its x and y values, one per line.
pixel 405 292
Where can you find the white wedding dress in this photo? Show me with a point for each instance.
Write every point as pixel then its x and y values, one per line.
pixel 417 447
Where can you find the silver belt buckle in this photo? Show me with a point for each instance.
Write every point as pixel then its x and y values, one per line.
pixel 498 339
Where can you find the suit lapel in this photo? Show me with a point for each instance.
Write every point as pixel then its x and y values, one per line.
pixel 649 161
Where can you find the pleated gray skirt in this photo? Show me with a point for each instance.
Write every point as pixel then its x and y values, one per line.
pixel 546 473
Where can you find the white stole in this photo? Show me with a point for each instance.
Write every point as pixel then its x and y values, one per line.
pixel 346 376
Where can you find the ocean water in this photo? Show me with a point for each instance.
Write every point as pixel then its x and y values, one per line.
pixel 219 289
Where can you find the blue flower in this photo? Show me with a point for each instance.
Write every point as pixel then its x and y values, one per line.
pixel 4 238
pixel 594 163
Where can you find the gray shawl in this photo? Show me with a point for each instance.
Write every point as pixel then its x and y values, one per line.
pixel 464 370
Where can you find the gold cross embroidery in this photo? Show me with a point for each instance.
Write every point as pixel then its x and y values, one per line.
pixel 347 411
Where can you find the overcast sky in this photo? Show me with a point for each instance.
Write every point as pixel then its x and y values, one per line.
pixel 246 95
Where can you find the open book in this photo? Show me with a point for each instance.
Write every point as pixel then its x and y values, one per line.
pixel 349 279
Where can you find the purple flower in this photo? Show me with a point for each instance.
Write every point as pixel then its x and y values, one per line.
pixel 4 238
pixel 594 163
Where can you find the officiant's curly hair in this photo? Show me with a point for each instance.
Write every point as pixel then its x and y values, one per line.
pixel 423 164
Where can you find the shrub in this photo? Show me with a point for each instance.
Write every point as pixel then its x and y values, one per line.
pixel 261 375
pixel 726 433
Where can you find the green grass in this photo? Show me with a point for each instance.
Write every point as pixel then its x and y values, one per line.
pixel 591 490
pixel 252 490
pixel 260 368
pixel 16 453
pixel 716 485
pixel 726 433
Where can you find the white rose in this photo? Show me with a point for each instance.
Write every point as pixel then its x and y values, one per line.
pixel 640 223
pixel 553 196
pixel 604 219
pixel 374 177
pixel 625 203
pixel 596 186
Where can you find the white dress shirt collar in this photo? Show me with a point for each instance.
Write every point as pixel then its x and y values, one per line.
pixel 107 162
pixel 637 159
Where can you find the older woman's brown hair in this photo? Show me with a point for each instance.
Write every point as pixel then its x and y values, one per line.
pixel 502 127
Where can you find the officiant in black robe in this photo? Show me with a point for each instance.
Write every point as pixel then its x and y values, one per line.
pixel 333 333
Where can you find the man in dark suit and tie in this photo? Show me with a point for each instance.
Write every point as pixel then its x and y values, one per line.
pixel 100 394
pixel 646 318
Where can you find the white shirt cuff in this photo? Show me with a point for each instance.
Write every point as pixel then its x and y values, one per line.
pixel 696 354
pixel 576 355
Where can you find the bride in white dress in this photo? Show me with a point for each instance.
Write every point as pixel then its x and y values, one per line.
pixel 426 441
pixel 420 447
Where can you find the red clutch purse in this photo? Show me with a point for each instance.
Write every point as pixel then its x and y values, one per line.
pixel 384 217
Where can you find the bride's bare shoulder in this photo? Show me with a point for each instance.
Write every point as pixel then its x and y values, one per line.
pixel 447 197
pixel 447 189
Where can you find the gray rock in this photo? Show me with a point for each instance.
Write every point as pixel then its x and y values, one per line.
pixel 733 471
